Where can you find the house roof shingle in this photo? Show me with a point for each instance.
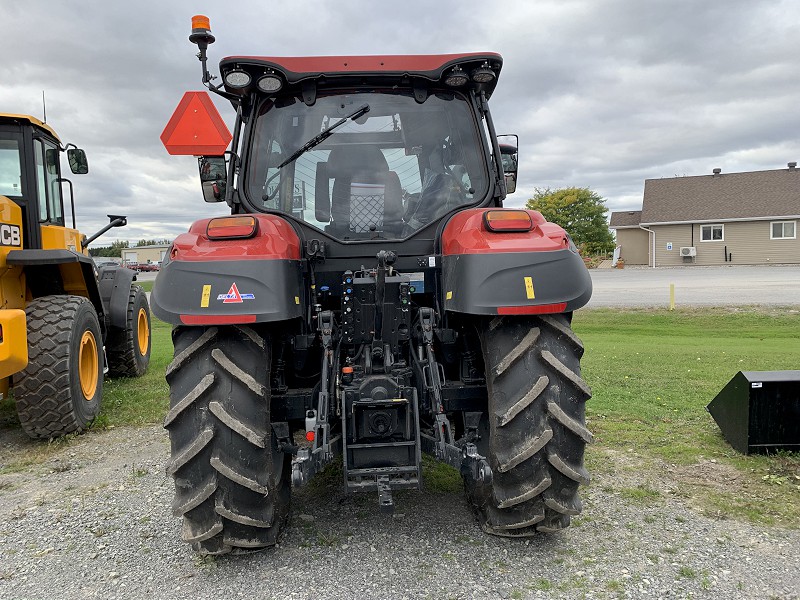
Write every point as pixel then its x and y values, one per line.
pixel 749 195
pixel 627 218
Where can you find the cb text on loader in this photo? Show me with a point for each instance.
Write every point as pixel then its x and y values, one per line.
pixel 63 321
pixel 369 299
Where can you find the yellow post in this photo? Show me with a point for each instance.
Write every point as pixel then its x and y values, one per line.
pixel 672 296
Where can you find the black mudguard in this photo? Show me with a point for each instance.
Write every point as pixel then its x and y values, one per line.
pixel 505 282
pixel 228 291
pixel 115 286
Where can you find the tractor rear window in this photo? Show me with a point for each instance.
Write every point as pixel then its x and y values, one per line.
pixel 385 173
pixel 10 168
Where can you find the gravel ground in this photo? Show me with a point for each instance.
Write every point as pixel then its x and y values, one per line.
pixel 93 521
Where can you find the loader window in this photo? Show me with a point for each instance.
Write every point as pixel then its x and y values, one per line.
pixel 51 208
pixel 10 168
pixel 383 175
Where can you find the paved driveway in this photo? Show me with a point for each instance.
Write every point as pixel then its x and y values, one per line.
pixel 776 285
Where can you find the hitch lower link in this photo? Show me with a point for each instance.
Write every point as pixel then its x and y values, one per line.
pixel 310 461
pixel 475 467
pixel 462 454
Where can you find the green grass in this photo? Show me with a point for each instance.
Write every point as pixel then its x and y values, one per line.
pixel 440 478
pixel 640 494
pixel 147 286
pixel 652 373
pixel 141 400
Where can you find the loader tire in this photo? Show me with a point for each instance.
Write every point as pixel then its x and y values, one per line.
pixel 536 425
pixel 231 482
pixel 128 349
pixel 59 391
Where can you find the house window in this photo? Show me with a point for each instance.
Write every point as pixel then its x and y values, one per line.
pixel 712 233
pixel 782 230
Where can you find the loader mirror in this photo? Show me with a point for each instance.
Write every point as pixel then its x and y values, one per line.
pixel 212 177
pixel 508 153
pixel 511 183
pixel 51 160
pixel 78 163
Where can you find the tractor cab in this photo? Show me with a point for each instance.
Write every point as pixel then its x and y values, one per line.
pixel 392 166
pixel 355 148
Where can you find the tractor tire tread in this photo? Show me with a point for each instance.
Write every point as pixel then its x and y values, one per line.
pixel 536 425
pixel 231 481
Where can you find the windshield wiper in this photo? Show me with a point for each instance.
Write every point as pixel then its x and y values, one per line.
pixel 324 134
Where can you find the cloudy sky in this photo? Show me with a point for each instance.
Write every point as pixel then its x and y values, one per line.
pixel 603 93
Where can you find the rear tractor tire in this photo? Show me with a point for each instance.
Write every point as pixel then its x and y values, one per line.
pixel 231 482
pixel 129 349
pixel 59 391
pixel 537 426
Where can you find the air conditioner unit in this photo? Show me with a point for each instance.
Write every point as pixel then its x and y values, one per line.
pixel 688 251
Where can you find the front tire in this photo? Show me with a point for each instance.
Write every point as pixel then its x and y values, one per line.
pixel 59 392
pixel 537 426
pixel 129 349
pixel 231 481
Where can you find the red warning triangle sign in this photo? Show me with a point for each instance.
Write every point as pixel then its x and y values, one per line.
pixel 196 128
pixel 233 296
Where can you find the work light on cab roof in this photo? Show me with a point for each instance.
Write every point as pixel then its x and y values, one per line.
pixel 270 75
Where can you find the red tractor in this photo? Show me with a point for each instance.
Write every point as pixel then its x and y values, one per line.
pixel 368 300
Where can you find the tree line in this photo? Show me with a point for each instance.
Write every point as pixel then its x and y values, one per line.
pixel 115 249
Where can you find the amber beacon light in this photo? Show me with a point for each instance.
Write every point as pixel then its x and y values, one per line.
pixel 201 28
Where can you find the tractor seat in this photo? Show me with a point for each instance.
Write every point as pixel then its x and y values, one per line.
pixel 366 195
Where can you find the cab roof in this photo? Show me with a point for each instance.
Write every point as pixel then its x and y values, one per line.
pixel 429 67
pixel 32 120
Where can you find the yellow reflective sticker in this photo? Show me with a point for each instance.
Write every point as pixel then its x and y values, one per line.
pixel 297 300
pixel 205 297
pixel 449 295
pixel 529 288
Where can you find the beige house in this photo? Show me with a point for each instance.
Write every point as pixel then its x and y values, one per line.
pixel 143 254
pixel 718 219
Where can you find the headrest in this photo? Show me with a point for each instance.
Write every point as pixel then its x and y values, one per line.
pixel 346 160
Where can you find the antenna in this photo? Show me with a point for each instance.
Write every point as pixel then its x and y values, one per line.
pixel 44 109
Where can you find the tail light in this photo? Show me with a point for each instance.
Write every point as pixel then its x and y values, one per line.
pixel 507 220
pixel 231 228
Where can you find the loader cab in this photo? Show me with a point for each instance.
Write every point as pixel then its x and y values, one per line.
pixel 30 176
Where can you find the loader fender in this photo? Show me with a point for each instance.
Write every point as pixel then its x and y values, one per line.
pixel 115 286
pixel 255 279
pixel 511 273
pixel 46 271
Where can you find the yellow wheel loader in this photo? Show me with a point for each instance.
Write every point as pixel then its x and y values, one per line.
pixel 64 322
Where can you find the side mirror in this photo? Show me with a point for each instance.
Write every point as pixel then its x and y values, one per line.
pixel 51 160
pixel 510 157
pixel 78 163
pixel 511 183
pixel 213 177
